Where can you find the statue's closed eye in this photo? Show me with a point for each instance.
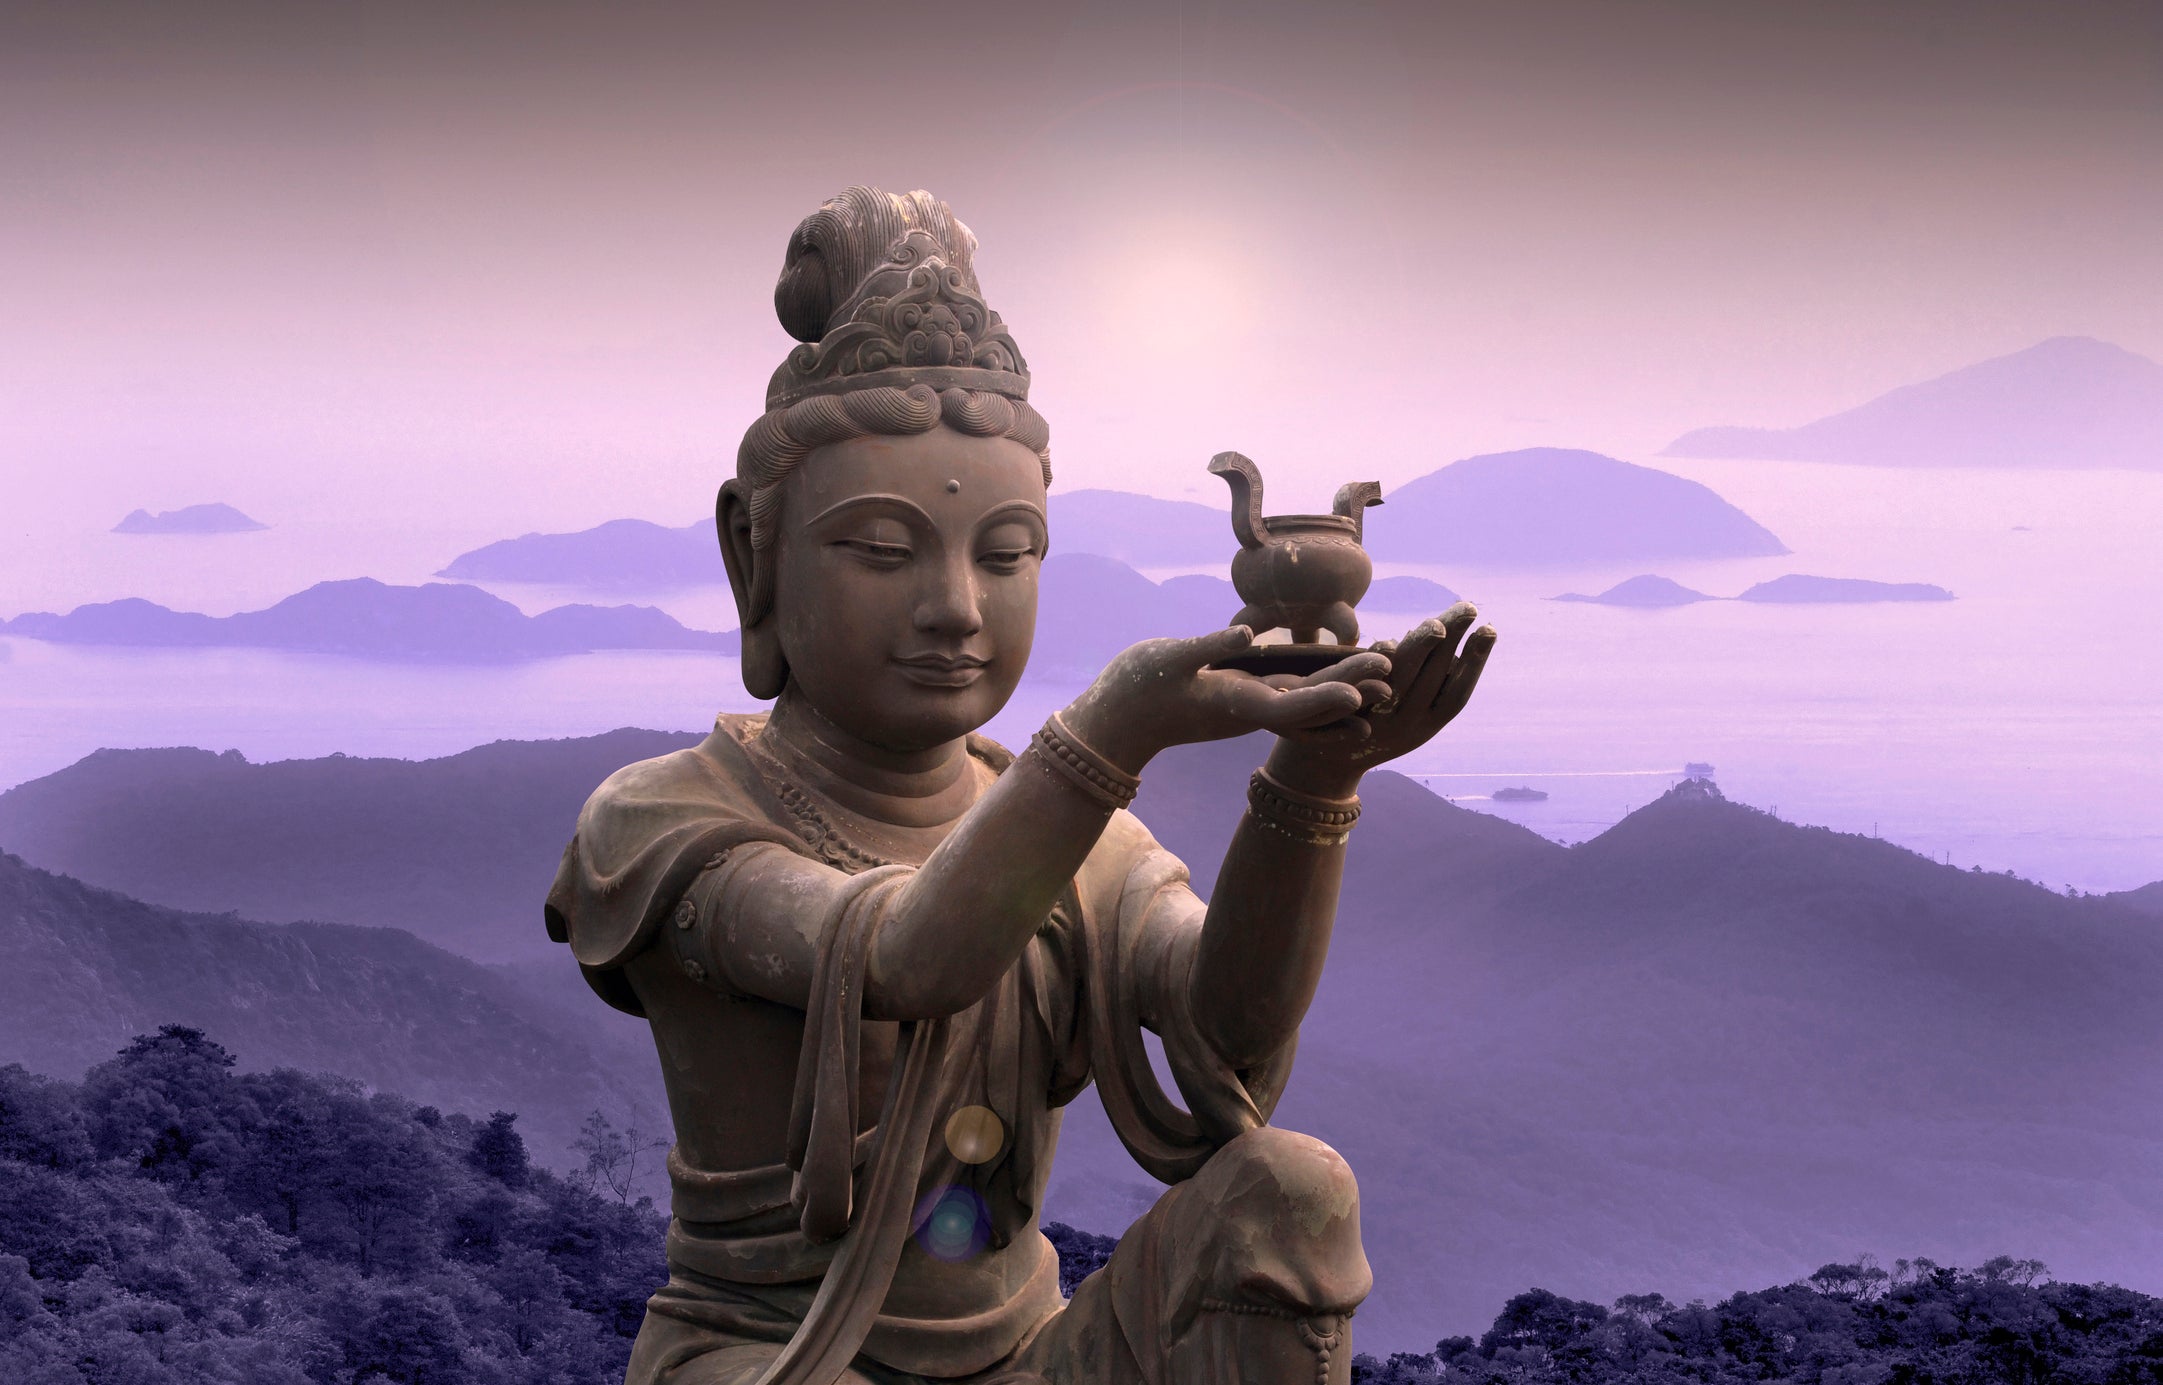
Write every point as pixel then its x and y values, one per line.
pixel 874 552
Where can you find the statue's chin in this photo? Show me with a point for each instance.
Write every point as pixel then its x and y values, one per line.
pixel 914 710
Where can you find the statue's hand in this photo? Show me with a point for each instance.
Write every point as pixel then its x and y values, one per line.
pixel 1433 671
pixel 1162 693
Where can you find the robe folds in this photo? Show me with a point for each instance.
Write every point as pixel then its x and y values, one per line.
pixel 823 1249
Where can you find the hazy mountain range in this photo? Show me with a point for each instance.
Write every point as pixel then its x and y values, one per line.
pixel 1091 608
pixel 1539 507
pixel 1558 507
pixel 192 519
pixel 1697 1051
pixel 2065 402
pixel 439 621
pixel 1650 590
pixel 83 970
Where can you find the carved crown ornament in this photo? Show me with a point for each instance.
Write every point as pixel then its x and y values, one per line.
pixel 915 320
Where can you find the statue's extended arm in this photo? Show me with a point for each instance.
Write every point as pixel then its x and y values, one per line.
pixel 948 932
pixel 1267 931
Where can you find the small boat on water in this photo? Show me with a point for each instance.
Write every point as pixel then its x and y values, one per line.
pixel 1520 794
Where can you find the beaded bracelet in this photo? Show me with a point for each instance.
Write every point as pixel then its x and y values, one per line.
pixel 1059 749
pixel 1302 817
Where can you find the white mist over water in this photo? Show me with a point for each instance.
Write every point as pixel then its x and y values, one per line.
pixel 2019 727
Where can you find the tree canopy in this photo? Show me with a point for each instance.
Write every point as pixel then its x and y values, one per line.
pixel 171 1220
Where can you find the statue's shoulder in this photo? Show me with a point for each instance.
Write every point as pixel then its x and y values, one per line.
pixel 644 835
pixel 714 777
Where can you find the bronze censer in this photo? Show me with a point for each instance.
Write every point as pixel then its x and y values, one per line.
pixel 1300 573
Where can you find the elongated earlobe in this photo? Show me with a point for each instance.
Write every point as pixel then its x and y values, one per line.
pixel 766 671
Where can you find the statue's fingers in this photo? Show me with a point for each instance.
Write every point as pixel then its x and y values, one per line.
pixel 1344 731
pixel 1354 668
pixel 1375 693
pixel 1204 650
pixel 1301 708
pixel 1428 686
pixel 1455 621
pixel 1456 690
pixel 1413 654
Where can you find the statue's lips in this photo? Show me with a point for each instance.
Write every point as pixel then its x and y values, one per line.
pixel 941 670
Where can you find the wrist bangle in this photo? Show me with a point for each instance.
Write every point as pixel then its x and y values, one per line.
pixel 1303 817
pixel 1060 750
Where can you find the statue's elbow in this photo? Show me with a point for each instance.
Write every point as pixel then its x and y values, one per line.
pixel 920 990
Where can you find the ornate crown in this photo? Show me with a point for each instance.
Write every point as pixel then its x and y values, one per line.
pixel 909 309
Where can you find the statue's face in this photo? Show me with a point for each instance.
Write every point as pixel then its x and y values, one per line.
pixel 905 581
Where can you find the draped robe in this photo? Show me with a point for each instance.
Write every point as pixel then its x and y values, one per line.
pixel 822 1247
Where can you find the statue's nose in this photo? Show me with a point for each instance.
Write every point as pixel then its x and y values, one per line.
pixel 950 604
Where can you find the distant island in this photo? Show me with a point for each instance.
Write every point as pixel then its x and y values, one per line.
pixel 1143 529
pixel 1644 590
pixel 366 618
pixel 193 519
pixel 2066 402
pixel 1089 607
pixel 1799 588
pixel 1539 507
pixel 1558 507
pixel 1651 591
pixel 640 554
pixel 1406 594
pixel 621 553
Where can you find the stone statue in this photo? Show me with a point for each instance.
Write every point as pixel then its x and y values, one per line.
pixel 879 953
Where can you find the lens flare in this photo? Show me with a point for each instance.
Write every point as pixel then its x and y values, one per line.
pixel 953 1224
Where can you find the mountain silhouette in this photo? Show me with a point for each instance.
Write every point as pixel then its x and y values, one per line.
pixel 1649 590
pixel 634 553
pixel 475 837
pixel 638 554
pixel 1696 1051
pixel 83 970
pixel 2147 899
pixel 1090 607
pixel 1797 588
pixel 2065 402
pixel 1142 529
pixel 1539 507
pixel 1558 507
pixel 191 519
pixel 437 622
pixel 1646 590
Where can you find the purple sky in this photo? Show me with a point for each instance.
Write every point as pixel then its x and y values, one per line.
pixel 516 260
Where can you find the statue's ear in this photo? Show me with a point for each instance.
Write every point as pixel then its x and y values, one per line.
pixel 751 577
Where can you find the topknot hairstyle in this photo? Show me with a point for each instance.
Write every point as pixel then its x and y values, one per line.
pixel 881 290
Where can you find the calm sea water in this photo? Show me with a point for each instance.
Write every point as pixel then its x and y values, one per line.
pixel 2019 727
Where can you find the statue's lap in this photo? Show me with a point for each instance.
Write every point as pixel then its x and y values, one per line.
pixel 1247 1270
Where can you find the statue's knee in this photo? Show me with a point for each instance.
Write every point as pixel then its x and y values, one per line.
pixel 1291 1175
pixel 1282 1216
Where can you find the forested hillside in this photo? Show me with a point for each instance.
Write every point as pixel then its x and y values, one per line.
pixel 171 1221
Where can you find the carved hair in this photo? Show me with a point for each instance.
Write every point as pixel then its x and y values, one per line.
pixel 895 339
pixel 781 439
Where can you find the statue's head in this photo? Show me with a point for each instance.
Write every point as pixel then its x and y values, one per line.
pixel 886 521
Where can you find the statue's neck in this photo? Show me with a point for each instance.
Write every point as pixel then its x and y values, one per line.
pixel 908 788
